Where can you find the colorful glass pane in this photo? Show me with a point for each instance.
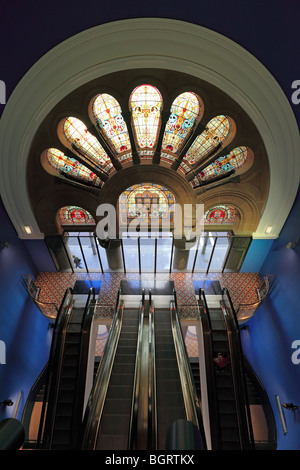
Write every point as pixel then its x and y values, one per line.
pixel 108 113
pixel 77 134
pixel 221 214
pixel 184 112
pixel 235 159
pixel 215 132
pixel 145 104
pixel 147 201
pixel 70 166
pixel 74 215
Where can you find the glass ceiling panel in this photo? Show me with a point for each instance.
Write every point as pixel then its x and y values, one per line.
pixel 215 132
pixel 77 134
pixel 184 112
pixel 145 104
pixel 74 215
pixel 235 159
pixel 108 113
pixel 221 214
pixel 70 166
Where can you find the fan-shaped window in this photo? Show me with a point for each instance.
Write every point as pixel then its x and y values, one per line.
pixel 85 143
pixel 147 201
pixel 221 214
pixel 71 167
pixel 216 131
pixel 145 104
pixel 184 112
pixel 75 216
pixel 108 115
pixel 234 160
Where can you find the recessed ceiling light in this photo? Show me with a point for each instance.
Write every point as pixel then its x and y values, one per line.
pixel 27 229
pixel 268 229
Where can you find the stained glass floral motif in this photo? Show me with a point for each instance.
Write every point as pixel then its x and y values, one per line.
pixel 184 112
pixel 215 132
pixel 145 104
pixel 77 134
pixel 70 166
pixel 108 114
pixel 74 215
pixel 147 201
pixel 221 214
pixel 235 159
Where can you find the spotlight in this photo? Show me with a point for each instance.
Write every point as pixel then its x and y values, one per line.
pixel 293 244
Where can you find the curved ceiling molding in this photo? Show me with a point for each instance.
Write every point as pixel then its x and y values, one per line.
pixel 149 43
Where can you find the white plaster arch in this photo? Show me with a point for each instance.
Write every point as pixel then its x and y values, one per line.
pixel 149 43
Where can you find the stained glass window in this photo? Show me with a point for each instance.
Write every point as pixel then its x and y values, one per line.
pixel 70 166
pixel 147 201
pixel 77 134
pixel 145 104
pixel 215 132
pixel 108 113
pixel 74 215
pixel 184 112
pixel 235 159
pixel 221 214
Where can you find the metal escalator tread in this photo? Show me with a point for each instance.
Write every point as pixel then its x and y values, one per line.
pixel 114 426
pixel 170 404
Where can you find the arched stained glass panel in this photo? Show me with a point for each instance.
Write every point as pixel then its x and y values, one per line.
pixel 74 215
pixel 145 104
pixel 184 112
pixel 77 134
pixel 147 201
pixel 235 159
pixel 108 114
pixel 215 132
pixel 221 214
pixel 70 166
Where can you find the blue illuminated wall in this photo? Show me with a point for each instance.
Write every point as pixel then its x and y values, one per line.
pixel 268 342
pixel 23 329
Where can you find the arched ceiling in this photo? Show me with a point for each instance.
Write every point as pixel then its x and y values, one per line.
pixel 174 56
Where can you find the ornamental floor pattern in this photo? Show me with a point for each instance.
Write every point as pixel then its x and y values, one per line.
pixel 242 288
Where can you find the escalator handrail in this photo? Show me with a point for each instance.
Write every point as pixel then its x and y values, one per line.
pixel 55 358
pixel 98 393
pixel 152 402
pixel 190 396
pixel 86 324
pixel 228 305
pixel 133 422
pixel 210 376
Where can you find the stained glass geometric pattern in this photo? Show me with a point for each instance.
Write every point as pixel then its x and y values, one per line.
pixel 221 214
pixel 145 104
pixel 215 132
pixel 74 215
pixel 108 113
pixel 184 112
pixel 146 201
pixel 76 133
pixel 235 159
pixel 70 166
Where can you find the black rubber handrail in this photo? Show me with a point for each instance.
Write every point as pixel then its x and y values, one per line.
pixel 239 384
pixel 55 357
pixel 94 409
pixel 210 375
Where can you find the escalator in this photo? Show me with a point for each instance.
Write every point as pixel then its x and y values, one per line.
pixel 109 415
pixel 169 395
pixel 230 421
pixel 67 369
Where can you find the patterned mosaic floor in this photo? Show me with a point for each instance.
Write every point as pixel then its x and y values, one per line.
pixel 242 288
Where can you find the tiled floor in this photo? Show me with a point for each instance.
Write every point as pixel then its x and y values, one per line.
pixel 242 288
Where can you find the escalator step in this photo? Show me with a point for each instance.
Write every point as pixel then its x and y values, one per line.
pixel 119 391
pixel 115 424
pixel 227 406
pixel 124 379
pixel 123 369
pixel 168 398
pixel 112 442
pixel 117 406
